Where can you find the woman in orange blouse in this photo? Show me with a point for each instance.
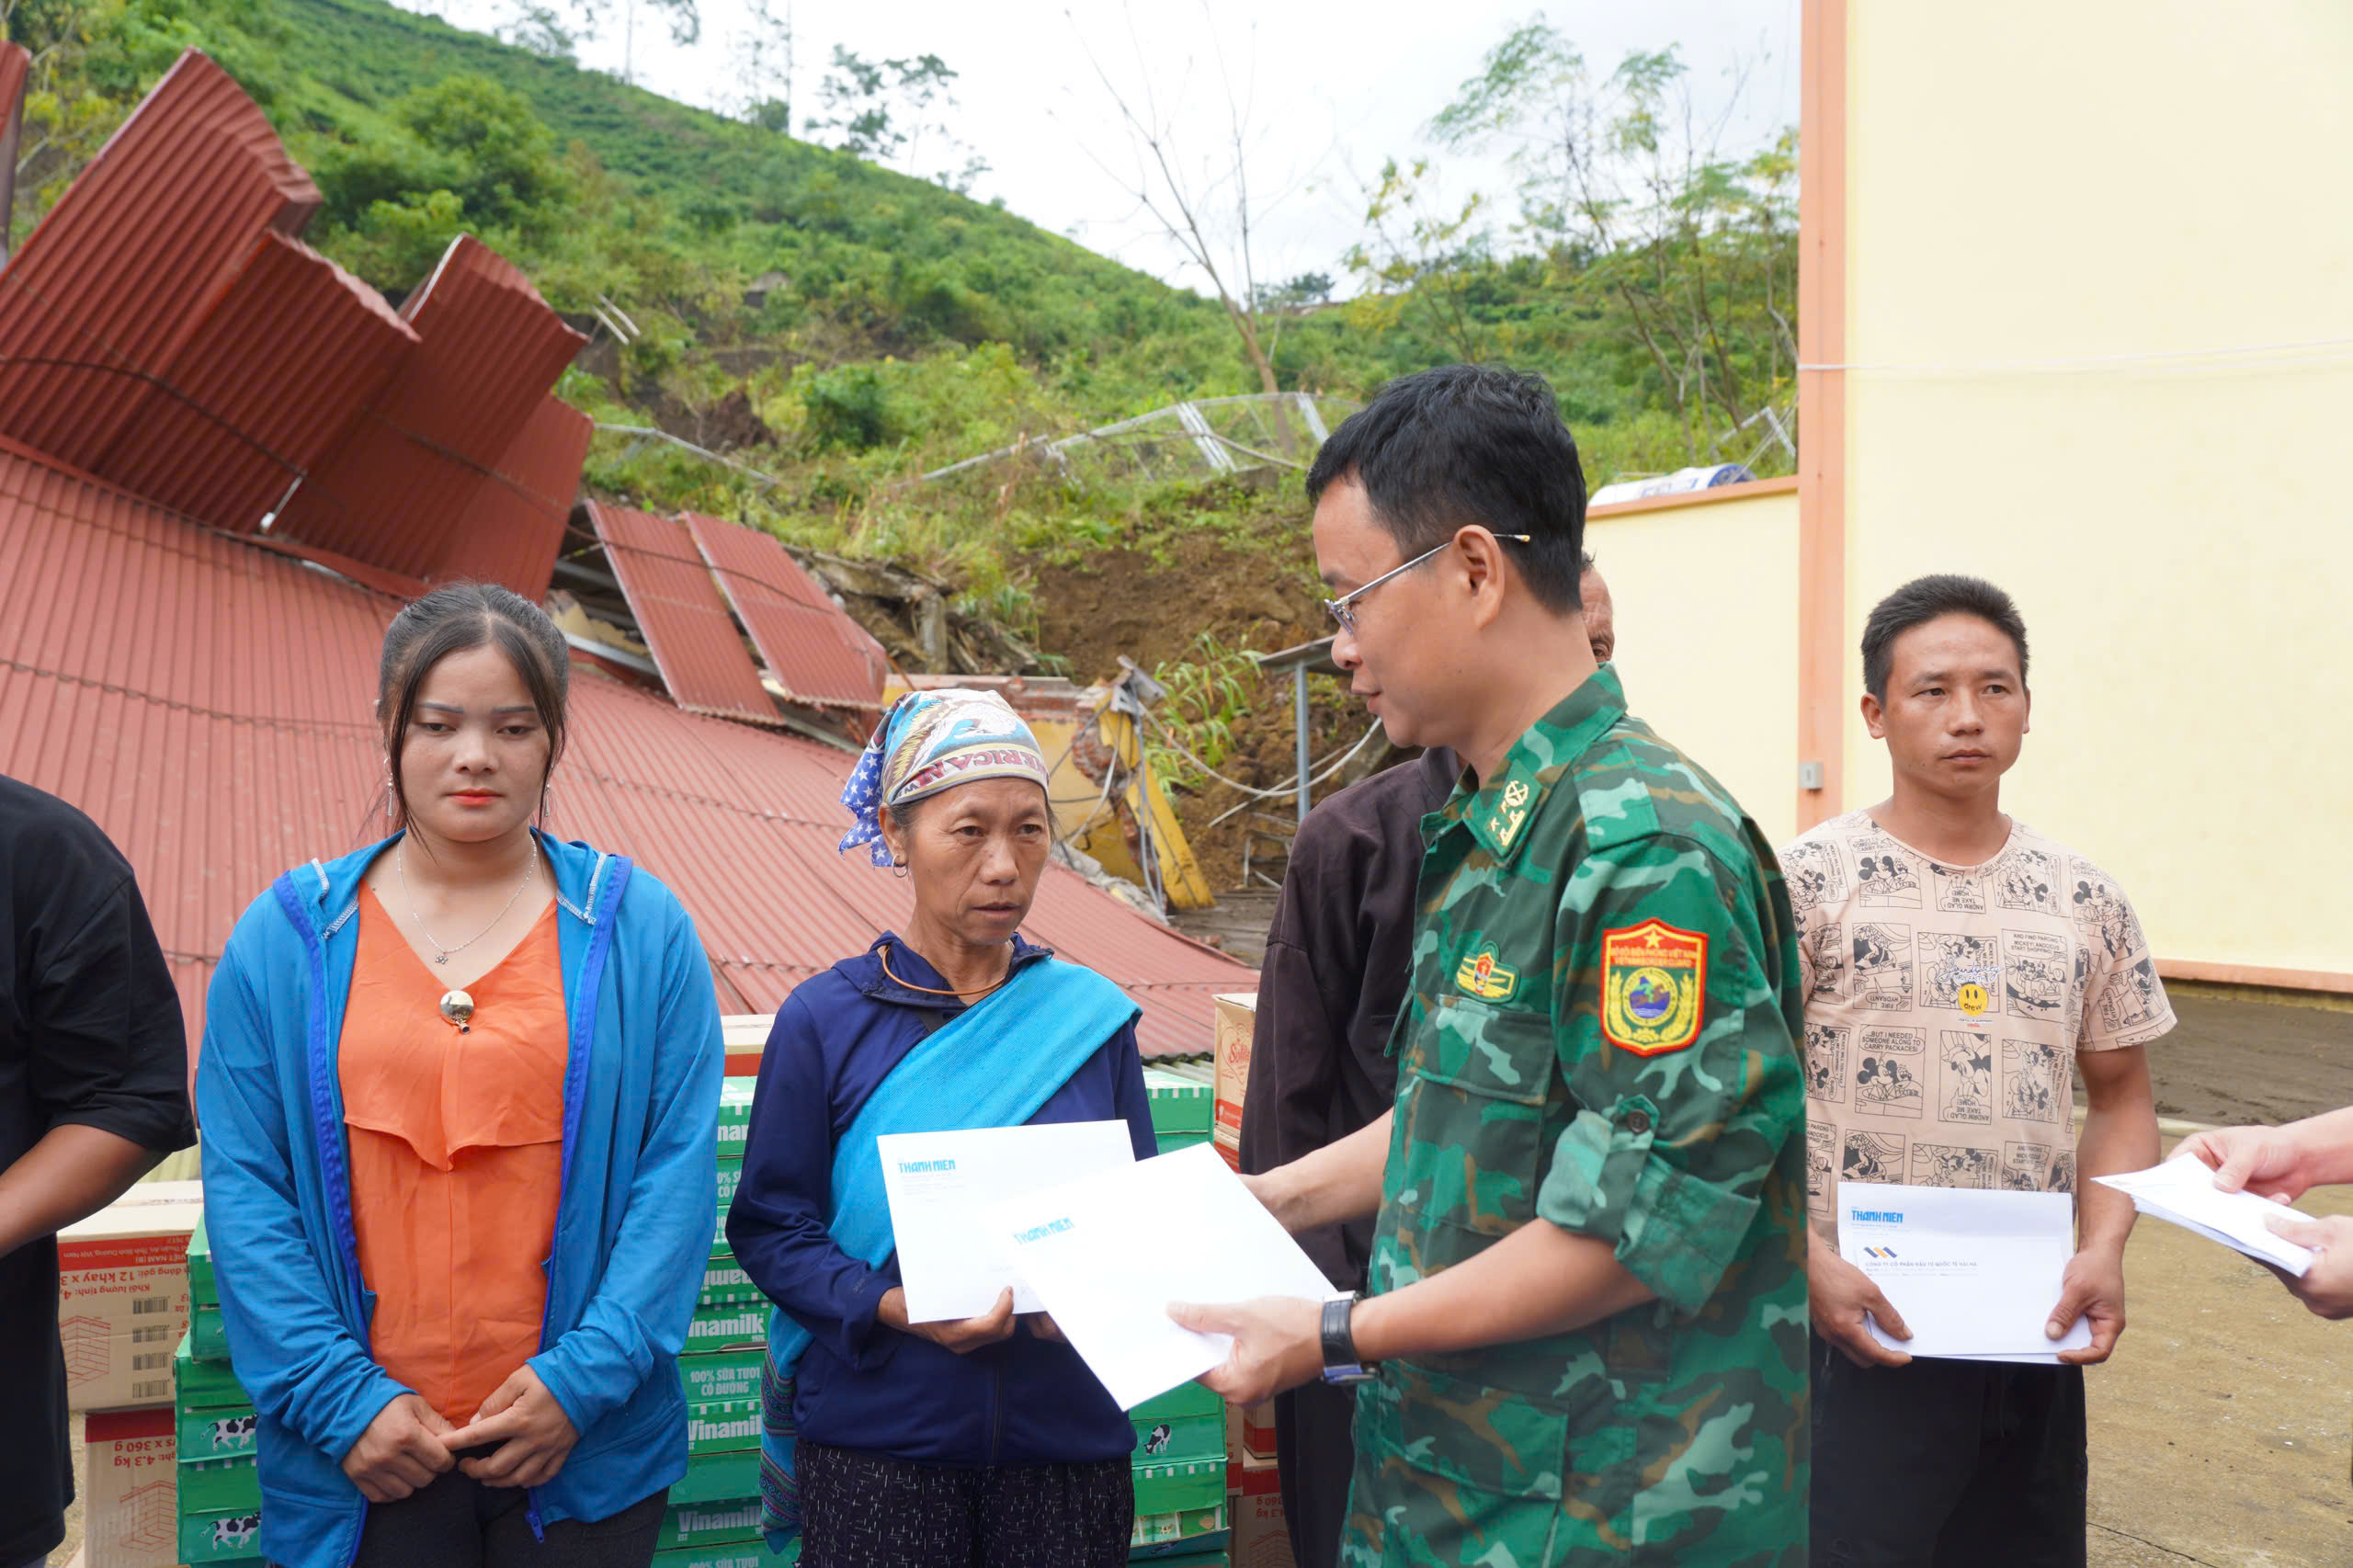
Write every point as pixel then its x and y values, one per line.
pixel 457 1093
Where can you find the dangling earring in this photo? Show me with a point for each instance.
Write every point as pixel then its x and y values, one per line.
pixel 899 869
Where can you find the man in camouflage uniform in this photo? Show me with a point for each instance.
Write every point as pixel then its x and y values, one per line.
pixel 1599 1037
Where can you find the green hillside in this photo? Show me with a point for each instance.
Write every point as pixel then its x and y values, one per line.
pixel 838 329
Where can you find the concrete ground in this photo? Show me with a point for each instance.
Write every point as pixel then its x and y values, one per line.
pixel 2222 1431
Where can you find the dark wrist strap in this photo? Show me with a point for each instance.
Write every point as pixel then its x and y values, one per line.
pixel 1340 1362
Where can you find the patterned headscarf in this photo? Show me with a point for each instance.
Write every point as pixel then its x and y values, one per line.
pixel 932 741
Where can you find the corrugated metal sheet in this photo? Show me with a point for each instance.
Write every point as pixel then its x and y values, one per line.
pixel 814 649
pixel 514 528
pixel 394 490
pixel 294 349
pixel 207 702
pixel 15 69
pixel 122 272
pixel 681 616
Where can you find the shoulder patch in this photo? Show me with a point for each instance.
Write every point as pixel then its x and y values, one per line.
pixel 1653 987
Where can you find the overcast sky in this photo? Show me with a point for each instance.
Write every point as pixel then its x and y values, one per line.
pixel 1331 91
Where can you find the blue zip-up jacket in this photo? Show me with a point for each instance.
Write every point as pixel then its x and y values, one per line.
pixel 860 1384
pixel 633 1233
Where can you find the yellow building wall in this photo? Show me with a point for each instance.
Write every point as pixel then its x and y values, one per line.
pixel 1706 594
pixel 2110 177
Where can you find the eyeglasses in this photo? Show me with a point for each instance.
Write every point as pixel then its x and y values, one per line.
pixel 1343 610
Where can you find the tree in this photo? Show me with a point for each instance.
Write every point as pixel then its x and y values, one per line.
pixel 1208 211
pixel 763 67
pixel 888 111
pixel 1646 218
pixel 1417 259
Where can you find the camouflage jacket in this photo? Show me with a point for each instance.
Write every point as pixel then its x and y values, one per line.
pixel 1599 1035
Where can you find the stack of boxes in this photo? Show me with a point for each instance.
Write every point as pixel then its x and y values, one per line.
pixel 1254 1500
pixel 220 1483
pixel 1180 1461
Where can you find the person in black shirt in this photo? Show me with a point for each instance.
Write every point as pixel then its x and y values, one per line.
pixel 93 1092
pixel 1339 955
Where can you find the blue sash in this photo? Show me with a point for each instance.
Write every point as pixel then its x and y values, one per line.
pixel 992 1066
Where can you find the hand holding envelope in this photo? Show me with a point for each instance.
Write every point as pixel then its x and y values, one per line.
pixel 1974 1274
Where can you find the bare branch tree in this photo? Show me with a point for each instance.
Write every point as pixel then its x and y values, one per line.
pixel 1210 215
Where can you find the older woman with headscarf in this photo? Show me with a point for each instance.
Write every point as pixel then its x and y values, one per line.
pixel 892 1444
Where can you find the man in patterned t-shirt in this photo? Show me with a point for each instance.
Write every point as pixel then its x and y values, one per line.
pixel 1959 970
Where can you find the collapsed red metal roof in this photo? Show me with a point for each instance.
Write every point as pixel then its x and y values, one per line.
pixel 120 276
pixel 395 490
pixel 207 700
pixel 680 615
pixel 164 329
pixel 814 649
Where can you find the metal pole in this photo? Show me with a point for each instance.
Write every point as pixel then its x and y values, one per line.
pixel 1299 717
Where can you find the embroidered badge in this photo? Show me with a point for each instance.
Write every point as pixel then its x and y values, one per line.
pixel 1483 975
pixel 1654 985
pixel 1516 794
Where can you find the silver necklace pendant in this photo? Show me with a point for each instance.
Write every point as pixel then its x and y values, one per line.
pixel 441 957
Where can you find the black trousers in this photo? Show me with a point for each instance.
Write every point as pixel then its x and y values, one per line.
pixel 1947 1464
pixel 860 1510
pixel 1314 1440
pixel 457 1522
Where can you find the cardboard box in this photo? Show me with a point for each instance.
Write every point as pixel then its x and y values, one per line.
pixel 1179 1485
pixel 725 1325
pixel 1160 1439
pixel 722 1428
pixel 130 1490
pixel 728 1477
pixel 1189 1529
pixel 731 1177
pixel 709 1524
pixel 1255 1429
pixel 231 1537
pixel 1237 1015
pixel 1261 1538
pixel 1181 1104
pixel 725 1377
pixel 737 1554
pixel 734 1114
pixel 122 1297
pixel 746 1036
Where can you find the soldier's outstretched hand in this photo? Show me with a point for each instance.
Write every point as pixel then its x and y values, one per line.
pixel 1278 1344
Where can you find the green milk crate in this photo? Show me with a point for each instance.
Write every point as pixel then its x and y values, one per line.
pixel 1180 1485
pixel 723 1378
pixel 722 1428
pixel 208 1337
pixel 202 1288
pixel 220 1537
pixel 1160 1439
pixel 728 1477
pixel 1186 1529
pixel 709 1524
pixel 220 1486
pixel 216 1434
pixel 740 1554
pixel 734 1114
pixel 723 1280
pixel 725 1325
pixel 1185 1399
pixel 201 1385
pixel 1181 1107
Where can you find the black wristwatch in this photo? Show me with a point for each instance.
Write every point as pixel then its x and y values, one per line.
pixel 1340 1363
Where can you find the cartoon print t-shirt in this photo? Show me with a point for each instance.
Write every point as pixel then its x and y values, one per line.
pixel 1945 1005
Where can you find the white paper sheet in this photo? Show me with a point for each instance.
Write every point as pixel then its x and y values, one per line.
pixel 952 1264
pixel 1108 1254
pixel 2181 1191
pixel 1973 1273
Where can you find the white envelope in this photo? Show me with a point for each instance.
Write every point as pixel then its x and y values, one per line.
pixel 1108 1254
pixel 1974 1273
pixel 941 1185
